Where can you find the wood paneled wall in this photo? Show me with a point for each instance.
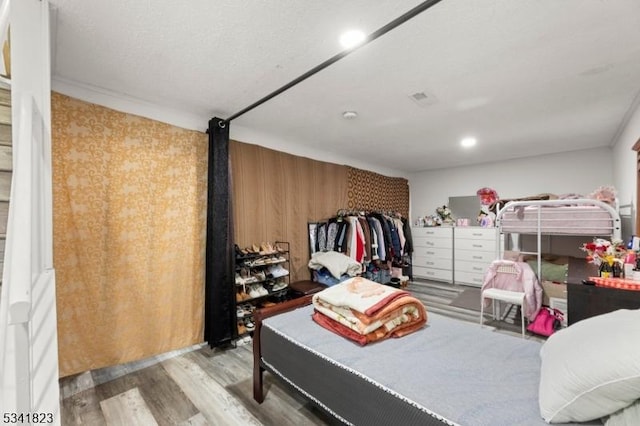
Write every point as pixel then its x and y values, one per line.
pixel 372 191
pixel 275 196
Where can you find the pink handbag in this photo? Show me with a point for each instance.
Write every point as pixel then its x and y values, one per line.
pixel 546 322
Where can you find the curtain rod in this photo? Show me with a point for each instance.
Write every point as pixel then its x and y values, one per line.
pixel 374 35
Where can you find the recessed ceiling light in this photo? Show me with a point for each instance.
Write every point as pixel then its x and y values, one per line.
pixel 351 38
pixel 468 142
pixel 349 115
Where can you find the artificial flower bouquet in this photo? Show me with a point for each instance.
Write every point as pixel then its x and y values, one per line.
pixel 601 250
pixel 444 214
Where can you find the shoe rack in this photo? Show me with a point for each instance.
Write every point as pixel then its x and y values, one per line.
pixel 262 279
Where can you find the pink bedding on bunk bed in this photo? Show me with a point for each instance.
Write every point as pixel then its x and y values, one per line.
pixel 565 220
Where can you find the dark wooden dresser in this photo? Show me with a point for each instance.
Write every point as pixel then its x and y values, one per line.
pixel 584 301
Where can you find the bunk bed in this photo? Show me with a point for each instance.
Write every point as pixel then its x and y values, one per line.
pixel 429 377
pixel 560 217
pixel 567 217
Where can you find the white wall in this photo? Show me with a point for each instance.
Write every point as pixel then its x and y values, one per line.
pixel 624 160
pixel 570 172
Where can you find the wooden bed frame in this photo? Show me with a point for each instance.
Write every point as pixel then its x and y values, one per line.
pixel 259 316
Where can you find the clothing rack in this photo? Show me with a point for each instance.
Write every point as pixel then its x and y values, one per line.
pixel 379 239
pixel 392 234
pixel 364 212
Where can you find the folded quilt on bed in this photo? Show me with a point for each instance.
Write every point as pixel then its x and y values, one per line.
pixel 365 311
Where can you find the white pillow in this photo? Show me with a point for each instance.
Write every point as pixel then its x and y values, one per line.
pixel 625 417
pixel 591 369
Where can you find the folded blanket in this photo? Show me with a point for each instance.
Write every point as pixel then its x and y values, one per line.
pixel 365 311
pixel 336 263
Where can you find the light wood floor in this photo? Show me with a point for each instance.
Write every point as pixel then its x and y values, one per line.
pixel 200 386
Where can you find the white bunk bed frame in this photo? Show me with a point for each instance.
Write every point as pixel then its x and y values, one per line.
pixel 552 221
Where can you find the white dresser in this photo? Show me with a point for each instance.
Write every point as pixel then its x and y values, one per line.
pixel 475 249
pixel 433 253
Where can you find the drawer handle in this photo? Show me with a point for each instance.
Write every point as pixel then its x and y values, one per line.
pixel 429 263
pixel 477 257
pixel 429 243
pixel 431 252
pixel 475 268
pixel 477 235
pixel 476 245
pixel 478 280
pixel 430 273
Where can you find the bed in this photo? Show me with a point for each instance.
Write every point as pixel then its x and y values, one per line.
pixel 448 373
pixel 560 217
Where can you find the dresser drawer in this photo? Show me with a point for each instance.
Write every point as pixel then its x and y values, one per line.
pixel 434 231
pixel 471 278
pixel 475 255
pixel 476 233
pixel 476 245
pixel 433 252
pixel 475 267
pixel 433 274
pixel 432 262
pixel 433 242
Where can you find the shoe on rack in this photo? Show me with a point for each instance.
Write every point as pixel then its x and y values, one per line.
pixel 280 286
pixel 254 291
pixel 255 262
pixel 239 312
pixel 239 252
pixel 263 291
pixel 241 328
pixel 266 249
pixel 250 326
pixel 239 279
pixel 241 296
pixel 247 309
pixel 278 271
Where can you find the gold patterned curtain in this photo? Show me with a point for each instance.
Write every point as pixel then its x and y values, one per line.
pixel 372 191
pixel 129 198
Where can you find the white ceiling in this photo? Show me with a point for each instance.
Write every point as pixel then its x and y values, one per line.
pixel 526 77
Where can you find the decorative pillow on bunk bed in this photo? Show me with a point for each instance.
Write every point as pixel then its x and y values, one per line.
pixel 591 369
pixel 552 267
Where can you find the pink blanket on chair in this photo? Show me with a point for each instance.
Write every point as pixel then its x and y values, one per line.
pixel 524 280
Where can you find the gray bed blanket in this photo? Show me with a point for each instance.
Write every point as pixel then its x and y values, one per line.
pixel 454 370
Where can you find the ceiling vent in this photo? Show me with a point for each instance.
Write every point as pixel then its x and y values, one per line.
pixel 423 98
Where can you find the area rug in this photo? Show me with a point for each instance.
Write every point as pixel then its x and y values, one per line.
pixel 469 299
